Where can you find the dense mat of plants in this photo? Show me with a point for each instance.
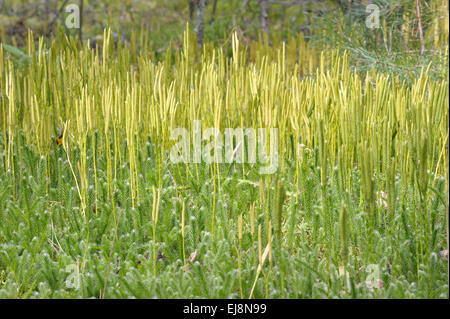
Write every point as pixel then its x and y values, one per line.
pixel 357 208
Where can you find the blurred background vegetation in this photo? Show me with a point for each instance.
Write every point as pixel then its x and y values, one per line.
pixel 413 34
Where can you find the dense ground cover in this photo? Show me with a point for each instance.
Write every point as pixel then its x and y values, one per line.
pixel 50 249
pixel 356 209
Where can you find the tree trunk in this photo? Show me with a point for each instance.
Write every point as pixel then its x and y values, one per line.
pixel 192 9
pixel 213 13
pixel 419 25
pixel 200 22
pixel 264 16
